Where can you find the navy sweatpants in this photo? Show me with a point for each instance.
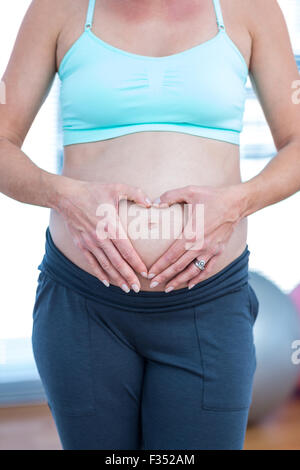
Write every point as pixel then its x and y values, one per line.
pixel 145 370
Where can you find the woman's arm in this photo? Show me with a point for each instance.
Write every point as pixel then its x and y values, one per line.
pixel 28 79
pixel 274 73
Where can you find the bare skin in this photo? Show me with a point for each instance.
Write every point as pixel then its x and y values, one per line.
pixel 156 162
pixel 135 159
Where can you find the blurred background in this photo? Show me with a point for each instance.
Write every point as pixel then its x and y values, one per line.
pixel 274 234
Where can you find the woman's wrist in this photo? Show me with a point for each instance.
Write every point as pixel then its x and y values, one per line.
pixel 245 197
pixel 57 188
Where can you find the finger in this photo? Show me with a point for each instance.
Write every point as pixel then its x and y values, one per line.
pixel 186 242
pixel 120 264
pixel 127 251
pixel 134 194
pixel 130 255
pixel 173 253
pixel 173 270
pixel 205 273
pixel 189 273
pixel 97 270
pixel 112 262
pixel 171 197
pixel 183 278
pixel 107 266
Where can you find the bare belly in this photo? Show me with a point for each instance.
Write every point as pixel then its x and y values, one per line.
pixel 156 162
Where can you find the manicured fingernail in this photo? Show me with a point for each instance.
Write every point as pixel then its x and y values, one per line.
pixel 169 289
pixel 135 287
pixel 105 282
pixel 144 275
pixel 125 288
pixel 154 284
pixel 191 286
pixel 151 275
pixel 148 201
pixel 157 201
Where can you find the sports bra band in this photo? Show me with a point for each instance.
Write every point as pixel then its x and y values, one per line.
pixel 91 8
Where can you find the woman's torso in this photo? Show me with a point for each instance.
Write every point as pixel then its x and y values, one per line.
pixel 154 161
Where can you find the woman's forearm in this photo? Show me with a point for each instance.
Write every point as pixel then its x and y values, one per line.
pixel 24 181
pixel 279 180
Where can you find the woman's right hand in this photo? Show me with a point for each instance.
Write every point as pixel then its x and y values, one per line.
pixel 111 258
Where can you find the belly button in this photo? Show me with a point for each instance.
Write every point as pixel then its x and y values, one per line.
pixel 152 225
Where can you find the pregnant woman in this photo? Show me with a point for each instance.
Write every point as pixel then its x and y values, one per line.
pixel 143 319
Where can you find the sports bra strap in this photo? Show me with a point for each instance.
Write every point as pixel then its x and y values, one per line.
pixel 219 15
pixel 91 7
pixel 90 14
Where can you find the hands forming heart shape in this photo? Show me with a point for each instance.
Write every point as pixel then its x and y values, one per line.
pixel 212 215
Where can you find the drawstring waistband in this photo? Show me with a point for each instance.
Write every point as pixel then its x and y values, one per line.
pixel 62 270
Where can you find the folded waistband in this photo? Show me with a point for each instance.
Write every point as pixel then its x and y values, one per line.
pixel 62 270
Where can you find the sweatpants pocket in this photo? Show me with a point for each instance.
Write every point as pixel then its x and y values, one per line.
pixel 61 348
pixel 225 331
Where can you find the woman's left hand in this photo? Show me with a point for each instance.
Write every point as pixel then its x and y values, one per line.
pixel 205 238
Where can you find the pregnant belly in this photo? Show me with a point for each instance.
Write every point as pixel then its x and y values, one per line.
pixel 151 231
pixel 134 160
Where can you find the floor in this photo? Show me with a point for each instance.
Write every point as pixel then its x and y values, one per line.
pixel 32 428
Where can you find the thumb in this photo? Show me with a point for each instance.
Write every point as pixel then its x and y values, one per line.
pixel 134 194
pixel 171 197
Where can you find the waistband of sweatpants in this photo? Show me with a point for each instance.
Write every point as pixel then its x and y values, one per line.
pixel 62 270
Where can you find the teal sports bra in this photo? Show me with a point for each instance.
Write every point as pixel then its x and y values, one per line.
pixel 106 92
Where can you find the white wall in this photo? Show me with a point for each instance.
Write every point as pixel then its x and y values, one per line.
pixel 22 226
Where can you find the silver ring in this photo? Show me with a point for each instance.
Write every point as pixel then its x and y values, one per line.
pixel 200 264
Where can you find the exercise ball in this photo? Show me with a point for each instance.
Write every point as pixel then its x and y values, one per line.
pixel 295 296
pixel 277 327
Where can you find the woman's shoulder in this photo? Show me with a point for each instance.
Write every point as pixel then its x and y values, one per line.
pixel 54 14
pixel 261 16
